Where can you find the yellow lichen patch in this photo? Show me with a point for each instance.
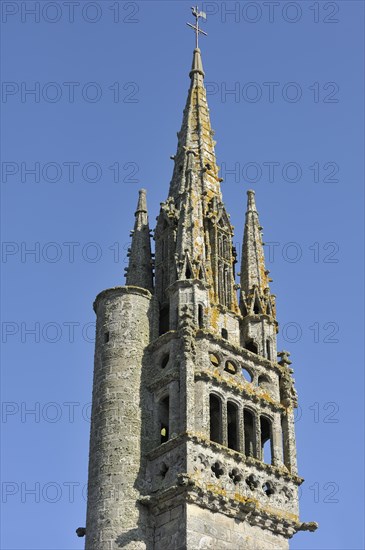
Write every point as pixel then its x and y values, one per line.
pixel 214 317
pixel 279 513
pixel 216 489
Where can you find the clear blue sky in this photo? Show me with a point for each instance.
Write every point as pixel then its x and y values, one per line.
pixel 294 127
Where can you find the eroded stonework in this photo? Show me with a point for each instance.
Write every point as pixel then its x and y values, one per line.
pixel 192 434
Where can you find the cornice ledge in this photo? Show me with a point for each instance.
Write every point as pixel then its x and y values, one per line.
pixel 257 317
pixel 186 283
pixel 163 380
pixel 225 309
pixel 239 388
pixel 238 507
pixel 161 340
pixel 121 290
pixel 167 447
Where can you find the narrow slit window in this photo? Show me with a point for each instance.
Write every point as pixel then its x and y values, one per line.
pixel 188 274
pixel 232 426
pixel 285 441
pixel 164 419
pixel 200 316
pixel 266 440
pixel 268 349
pixel 215 411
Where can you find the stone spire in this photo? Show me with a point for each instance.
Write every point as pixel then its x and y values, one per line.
pixel 194 212
pixel 196 135
pixel 139 271
pixel 257 304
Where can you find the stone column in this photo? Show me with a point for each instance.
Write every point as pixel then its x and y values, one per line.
pixel 290 451
pixel 277 441
pixel 240 429
pixel 257 443
pixel 174 393
pixel 122 333
pixel 224 423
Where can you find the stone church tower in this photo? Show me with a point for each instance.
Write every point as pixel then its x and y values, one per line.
pixel 192 434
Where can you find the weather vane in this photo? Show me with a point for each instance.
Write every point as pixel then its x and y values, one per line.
pixel 197 14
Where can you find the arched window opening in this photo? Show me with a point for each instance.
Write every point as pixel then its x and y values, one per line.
pixel 268 489
pixel 266 443
pixel 230 367
pixel 249 427
pixel 215 419
pixel 164 419
pixel 246 375
pixel 251 346
pixel 165 360
pixel 257 307
pixel 164 324
pixel 106 337
pixel 200 316
pixel 188 274
pixel 224 333
pixel 232 425
pixel 214 359
pixel 268 349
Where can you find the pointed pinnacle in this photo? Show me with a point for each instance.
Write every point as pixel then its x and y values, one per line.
pixel 251 204
pixel 142 201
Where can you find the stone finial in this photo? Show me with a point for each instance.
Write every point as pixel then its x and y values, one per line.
pixel 251 204
pixel 142 202
pixel 284 358
pixel 197 65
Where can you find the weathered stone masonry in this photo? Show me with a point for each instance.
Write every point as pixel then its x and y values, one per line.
pixel 192 435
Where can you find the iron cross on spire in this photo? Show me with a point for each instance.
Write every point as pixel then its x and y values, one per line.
pixel 197 14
